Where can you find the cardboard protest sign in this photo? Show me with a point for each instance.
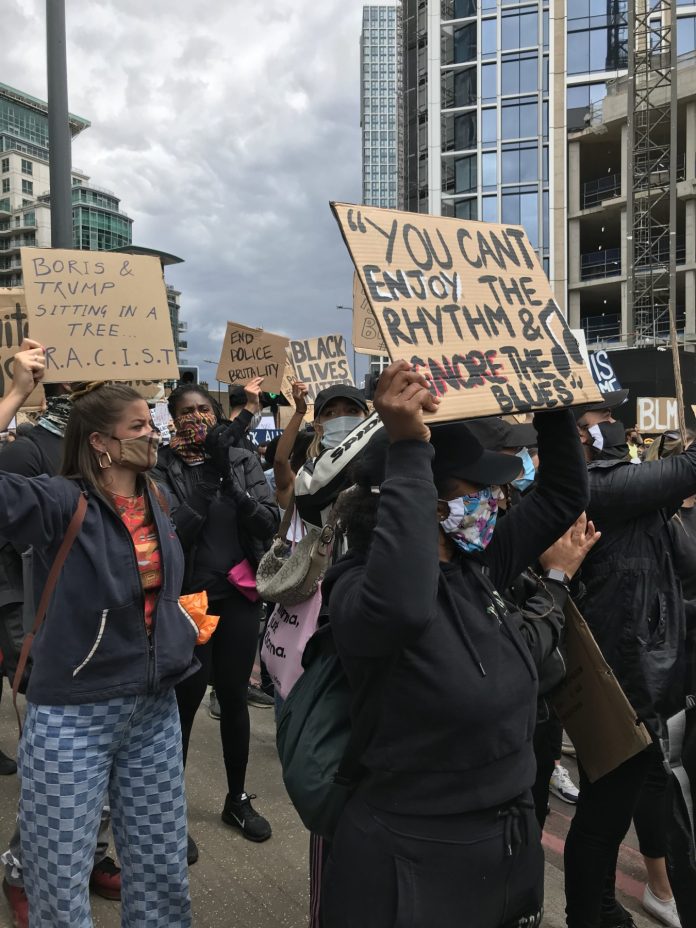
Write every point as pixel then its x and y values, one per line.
pixel 100 315
pixel 14 328
pixel 367 338
pixel 248 353
pixel 320 363
pixel 593 708
pixel 657 414
pixel 469 305
pixel 148 389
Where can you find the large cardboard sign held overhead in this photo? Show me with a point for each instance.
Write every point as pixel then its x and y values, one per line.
pixel 320 363
pixel 13 329
pixel 469 305
pixel 367 338
pixel 248 353
pixel 100 315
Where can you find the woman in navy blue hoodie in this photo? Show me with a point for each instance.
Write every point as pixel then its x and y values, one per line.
pixel 101 717
pixel 442 830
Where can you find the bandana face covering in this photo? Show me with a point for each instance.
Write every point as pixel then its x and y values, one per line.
pixel 471 519
pixel 191 431
pixel 139 454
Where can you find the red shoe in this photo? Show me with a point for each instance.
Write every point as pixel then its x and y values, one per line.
pixel 106 879
pixel 19 904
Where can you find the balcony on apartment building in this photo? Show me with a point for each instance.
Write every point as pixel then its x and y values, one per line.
pixel 597 265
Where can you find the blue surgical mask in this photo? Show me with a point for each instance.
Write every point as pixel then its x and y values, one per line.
pixel 527 479
pixel 335 430
pixel 472 519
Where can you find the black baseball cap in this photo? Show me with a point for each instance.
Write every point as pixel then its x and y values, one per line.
pixel 610 400
pixel 342 391
pixel 459 453
pixel 495 433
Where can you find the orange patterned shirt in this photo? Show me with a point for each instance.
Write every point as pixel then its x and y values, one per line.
pixel 132 511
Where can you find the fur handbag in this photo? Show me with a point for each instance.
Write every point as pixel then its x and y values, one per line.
pixel 289 573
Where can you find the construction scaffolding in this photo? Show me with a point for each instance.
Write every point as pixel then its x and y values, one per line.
pixel 651 216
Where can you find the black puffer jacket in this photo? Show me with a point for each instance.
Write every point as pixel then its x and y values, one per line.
pixel 633 598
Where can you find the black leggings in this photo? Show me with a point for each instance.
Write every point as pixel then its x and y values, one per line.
pixel 482 870
pixel 230 652
pixel 602 818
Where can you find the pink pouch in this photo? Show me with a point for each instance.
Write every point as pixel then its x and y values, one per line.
pixel 243 577
pixel 288 631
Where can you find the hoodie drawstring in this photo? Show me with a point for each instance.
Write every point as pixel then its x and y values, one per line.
pixel 461 625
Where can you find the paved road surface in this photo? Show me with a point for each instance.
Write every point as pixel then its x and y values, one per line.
pixel 238 884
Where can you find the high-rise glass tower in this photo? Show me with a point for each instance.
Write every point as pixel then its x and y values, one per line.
pixel 491 89
pixel 380 104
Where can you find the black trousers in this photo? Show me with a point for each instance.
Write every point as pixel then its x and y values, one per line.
pixel 602 818
pixel 548 740
pixel 230 652
pixel 482 870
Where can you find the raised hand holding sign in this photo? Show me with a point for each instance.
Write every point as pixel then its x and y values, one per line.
pixel 468 305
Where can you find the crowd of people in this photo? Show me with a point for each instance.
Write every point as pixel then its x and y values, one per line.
pixel 454 551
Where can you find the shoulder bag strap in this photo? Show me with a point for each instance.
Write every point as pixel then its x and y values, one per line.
pixel 286 521
pixel 65 546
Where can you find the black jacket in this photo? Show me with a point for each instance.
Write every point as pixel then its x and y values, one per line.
pixel 633 598
pixel 458 706
pixel 221 521
pixel 30 455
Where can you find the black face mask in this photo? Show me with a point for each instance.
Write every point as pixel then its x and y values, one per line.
pixel 614 434
pixel 613 441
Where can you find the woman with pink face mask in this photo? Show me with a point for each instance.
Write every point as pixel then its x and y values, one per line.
pixel 101 717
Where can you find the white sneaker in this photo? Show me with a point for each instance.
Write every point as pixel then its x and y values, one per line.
pixel 562 786
pixel 664 910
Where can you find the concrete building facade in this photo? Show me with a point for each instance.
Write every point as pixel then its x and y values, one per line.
pixel 597 231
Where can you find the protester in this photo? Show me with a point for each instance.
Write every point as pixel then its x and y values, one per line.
pixel 337 411
pixel 529 594
pixel 442 828
pixel 225 515
pixel 283 470
pixel 633 604
pixel 100 703
pixel 37 452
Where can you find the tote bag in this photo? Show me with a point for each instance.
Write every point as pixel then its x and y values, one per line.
pixel 288 631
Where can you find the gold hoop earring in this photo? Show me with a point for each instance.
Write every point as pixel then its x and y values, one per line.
pixel 100 459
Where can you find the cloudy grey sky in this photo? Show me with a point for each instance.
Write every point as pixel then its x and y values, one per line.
pixel 225 126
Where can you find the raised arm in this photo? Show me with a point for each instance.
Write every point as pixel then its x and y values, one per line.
pixel 629 491
pixel 392 598
pixel 560 495
pixel 282 471
pixel 28 368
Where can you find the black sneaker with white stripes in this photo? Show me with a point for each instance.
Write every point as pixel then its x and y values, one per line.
pixel 239 813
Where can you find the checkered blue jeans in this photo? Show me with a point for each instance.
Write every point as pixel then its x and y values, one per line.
pixel 71 758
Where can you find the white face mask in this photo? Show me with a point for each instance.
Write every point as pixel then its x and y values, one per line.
pixel 335 430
